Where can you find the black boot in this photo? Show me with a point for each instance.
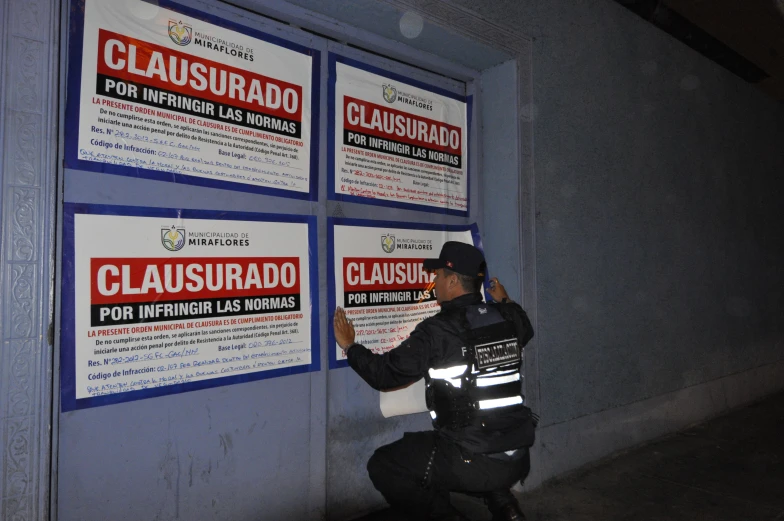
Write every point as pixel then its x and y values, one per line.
pixel 504 506
pixel 510 512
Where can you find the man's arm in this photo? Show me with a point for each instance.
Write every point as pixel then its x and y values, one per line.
pixel 520 318
pixel 497 291
pixel 395 369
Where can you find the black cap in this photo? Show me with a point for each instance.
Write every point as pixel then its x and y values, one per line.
pixel 459 257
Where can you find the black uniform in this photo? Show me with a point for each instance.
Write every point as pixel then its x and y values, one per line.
pixel 472 450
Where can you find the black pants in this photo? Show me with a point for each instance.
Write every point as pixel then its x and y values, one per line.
pixel 416 480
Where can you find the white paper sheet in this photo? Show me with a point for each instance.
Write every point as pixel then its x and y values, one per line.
pixel 410 400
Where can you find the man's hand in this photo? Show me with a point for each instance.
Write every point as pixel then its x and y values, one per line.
pixel 497 290
pixel 344 329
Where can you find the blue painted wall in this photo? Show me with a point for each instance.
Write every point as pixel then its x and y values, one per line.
pixel 658 212
pixel 29 45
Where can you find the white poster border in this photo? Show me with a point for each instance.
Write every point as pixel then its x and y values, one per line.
pixel 333 59
pixel 74 105
pixel 68 295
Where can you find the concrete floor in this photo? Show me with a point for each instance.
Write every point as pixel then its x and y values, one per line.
pixel 730 468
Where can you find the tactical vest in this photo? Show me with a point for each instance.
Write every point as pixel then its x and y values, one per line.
pixel 481 399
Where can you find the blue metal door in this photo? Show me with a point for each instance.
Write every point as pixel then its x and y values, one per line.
pixel 287 448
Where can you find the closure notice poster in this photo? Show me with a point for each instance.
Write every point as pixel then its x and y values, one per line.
pixel 154 91
pixel 395 141
pixel 158 301
pixel 379 279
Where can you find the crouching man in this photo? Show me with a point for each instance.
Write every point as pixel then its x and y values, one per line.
pixel 470 355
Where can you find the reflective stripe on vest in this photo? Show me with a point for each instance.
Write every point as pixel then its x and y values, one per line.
pixel 449 374
pixel 488 381
pixel 500 402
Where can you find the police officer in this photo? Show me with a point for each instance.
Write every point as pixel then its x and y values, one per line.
pixel 470 355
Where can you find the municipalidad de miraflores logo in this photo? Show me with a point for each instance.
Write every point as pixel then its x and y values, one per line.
pixel 173 239
pixel 390 93
pixel 388 243
pixel 180 33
